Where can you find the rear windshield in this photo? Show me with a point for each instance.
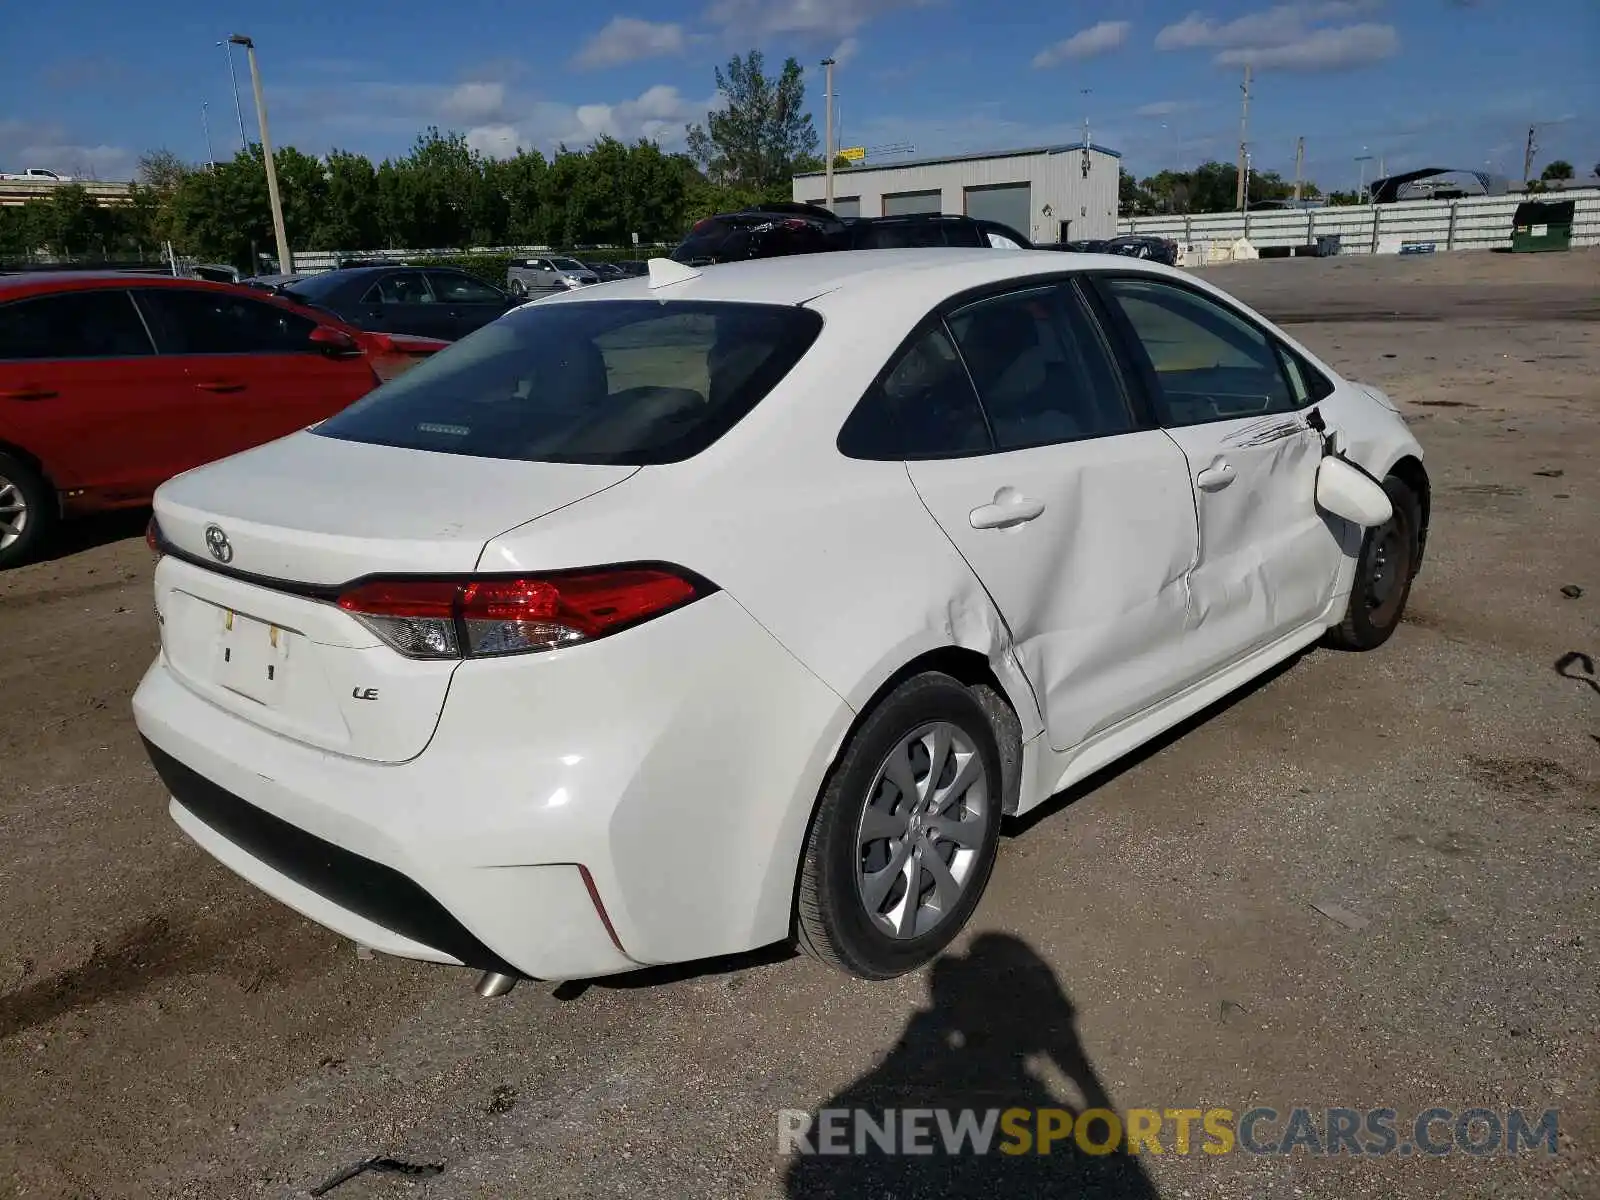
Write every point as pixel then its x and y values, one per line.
pixel 568 264
pixel 314 287
pixel 627 382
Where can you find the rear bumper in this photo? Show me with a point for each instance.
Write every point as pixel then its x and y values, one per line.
pixel 676 764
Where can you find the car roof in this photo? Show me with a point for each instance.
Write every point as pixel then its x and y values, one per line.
pixel 901 276
pixel 41 282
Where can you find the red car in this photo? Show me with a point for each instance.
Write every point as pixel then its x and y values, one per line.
pixel 112 383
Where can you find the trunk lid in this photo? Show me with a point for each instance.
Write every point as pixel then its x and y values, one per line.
pixel 247 607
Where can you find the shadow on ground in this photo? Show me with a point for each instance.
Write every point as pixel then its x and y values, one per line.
pixel 998 1033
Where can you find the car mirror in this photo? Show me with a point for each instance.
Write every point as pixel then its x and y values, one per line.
pixel 333 341
pixel 1347 491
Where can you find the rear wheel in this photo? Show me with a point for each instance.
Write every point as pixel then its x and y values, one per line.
pixel 27 510
pixel 1389 556
pixel 518 288
pixel 905 833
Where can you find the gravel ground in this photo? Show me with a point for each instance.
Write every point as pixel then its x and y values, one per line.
pixel 1153 939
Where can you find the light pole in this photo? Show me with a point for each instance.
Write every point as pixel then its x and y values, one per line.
pixel 285 255
pixel 244 142
pixel 827 139
pixel 205 124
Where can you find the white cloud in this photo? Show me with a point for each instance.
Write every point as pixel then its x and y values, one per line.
pixel 1293 36
pixel 629 39
pixel 659 113
pixel 804 18
pixel 1320 50
pixel 1086 43
pixel 1164 108
pixel 474 103
pixel 26 143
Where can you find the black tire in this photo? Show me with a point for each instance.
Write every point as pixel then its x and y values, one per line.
pixel 518 288
pixel 833 920
pixel 1389 558
pixel 20 483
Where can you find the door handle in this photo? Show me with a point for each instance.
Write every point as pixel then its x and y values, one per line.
pixel 1215 477
pixel 1010 508
pixel 27 393
pixel 219 385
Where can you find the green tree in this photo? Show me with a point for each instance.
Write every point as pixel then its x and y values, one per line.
pixel 1559 169
pixel 350 217
pixel 522 179
pixel 764 130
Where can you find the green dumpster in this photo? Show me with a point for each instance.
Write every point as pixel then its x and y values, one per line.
pixel 1542 225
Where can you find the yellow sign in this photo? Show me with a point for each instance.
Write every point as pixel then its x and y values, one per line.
pixel 854 154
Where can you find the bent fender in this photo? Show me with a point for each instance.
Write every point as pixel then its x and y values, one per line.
pixel 1347 491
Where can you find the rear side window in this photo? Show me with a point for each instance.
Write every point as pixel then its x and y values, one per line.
pixel 922 406
pixel 628 382
pixel 73 325
pixel 1040 369
pixel 452 288
pixel 403 287
pixel 196 322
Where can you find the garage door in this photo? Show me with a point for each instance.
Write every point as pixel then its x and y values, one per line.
pixel 903 204
pixel 843 206
pixel 1009 203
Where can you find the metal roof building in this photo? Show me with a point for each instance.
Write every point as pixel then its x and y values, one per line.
pixel 1049 193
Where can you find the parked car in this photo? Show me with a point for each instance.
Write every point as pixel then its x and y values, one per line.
pixel 543 276
pixel 111 383
pixel 275 283
pixel 1079 246
pixel 605 272
pixel 436 302
pixel 737 605
pixel 633 266
pixel 1155 249
pixel 775 230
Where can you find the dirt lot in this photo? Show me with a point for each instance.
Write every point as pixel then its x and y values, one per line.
pixel 167 1031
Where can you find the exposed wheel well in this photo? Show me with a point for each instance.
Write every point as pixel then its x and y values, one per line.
pixel 972 669
pixel 1410 471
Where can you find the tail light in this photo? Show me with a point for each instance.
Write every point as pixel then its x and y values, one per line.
pixel 486 618
pixel 152 538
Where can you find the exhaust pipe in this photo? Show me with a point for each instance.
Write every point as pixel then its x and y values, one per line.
pixel 493 983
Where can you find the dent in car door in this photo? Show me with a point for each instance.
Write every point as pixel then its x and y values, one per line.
pixel 1078 522
pixel 1268 558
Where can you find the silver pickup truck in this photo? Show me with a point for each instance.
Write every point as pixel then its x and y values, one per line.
pixel 553 273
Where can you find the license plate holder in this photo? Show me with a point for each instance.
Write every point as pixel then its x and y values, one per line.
pixel 252 657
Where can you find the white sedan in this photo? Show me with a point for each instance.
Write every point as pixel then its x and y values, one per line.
pixel 710 609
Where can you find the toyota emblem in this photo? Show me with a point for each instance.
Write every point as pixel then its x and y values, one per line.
pixel 217 542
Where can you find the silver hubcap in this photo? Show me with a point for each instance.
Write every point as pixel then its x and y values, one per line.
pixel 13 513
pixel 921 830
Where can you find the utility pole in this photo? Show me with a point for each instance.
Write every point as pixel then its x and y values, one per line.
pixel 1244 135
pixel 827 140
pixel 1085 93
pixel 1527 156
pixel 285 255
pixel 205 124
pixel 1299 167
pixel 244 142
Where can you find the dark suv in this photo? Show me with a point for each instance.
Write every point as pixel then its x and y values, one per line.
pixel 774 230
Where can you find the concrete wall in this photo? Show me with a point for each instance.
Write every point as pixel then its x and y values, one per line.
pixel 1055 178
pixel 1472 223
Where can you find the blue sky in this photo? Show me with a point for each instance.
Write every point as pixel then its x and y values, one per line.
pixel 86 85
